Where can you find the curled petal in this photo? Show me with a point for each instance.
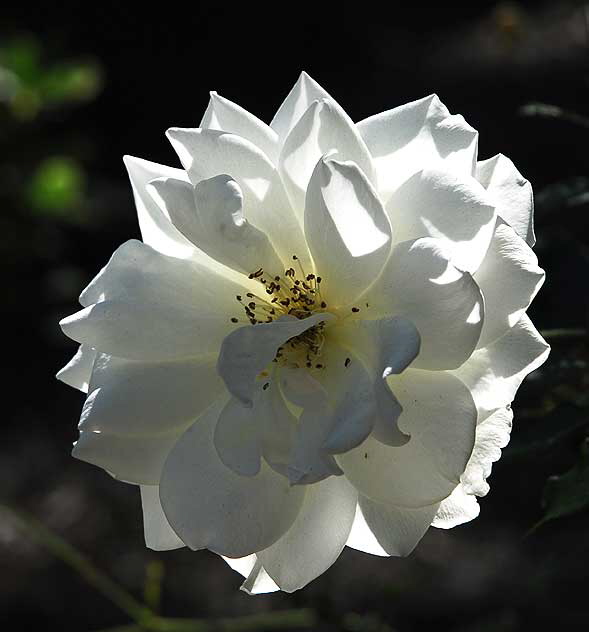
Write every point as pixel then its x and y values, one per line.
pixel 77 371
pixel 509 278
pixel 457 509
pixel 346 227
pixel 417 135
pixel 511 194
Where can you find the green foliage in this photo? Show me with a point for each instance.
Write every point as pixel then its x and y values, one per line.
pixel 567 493
pixel 57 188
pixel 28 86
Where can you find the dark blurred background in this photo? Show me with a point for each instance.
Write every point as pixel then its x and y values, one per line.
pixel 82 85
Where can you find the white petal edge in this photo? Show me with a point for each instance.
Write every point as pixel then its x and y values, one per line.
pixel 159 536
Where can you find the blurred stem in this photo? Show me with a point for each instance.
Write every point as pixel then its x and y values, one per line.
pixel 564 333
pixel 145 619
pixel 553 111
pixel 65 552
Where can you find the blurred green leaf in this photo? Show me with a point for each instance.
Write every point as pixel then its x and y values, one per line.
pixel 57 188
pixel 70 82
pixel 567 493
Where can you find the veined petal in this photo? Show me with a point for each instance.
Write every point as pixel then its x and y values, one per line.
pixel 157 230
pixel 453 209
pixel 457 509
pixel 304 92
pixel 492 434
pixel 495 372
pixel 78 370
pixel 209 506
pixel 134 459
pixel 249 350
pixel 137 398
pixel 316 538
pixel 224 115
pixel 208 153
pixel 159 536
pixel 445 304
pixel 387 346
pixel 347 229
pixel 509 278
pixel 388 530
pixel 414 136
pixel 440 416
pixel 511 194
pixel 323 128
pixel 210 215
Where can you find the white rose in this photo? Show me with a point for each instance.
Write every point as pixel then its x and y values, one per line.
pixel 318 340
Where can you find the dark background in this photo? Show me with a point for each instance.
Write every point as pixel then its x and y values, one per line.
pixel 153 68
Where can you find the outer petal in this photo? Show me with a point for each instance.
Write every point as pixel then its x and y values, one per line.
pixel 492 435
pixel 78 370
pixel 347 230
pixel 440 416
pixel 157 230
pixel 457 509
pixel 445 304
pixel 153 307
pixel 494 373
pixel 209 153
pixel 211 507
pixel 511 193
pixel 304 92
pixel 249 350
pixel 316 538
pixel 258 581
pixel 224 115
pixel 136 398
pixel 388 530
pixel 509 278
pixel 133 459
pixel 159 536
pixel 411 137
pixel 454 209
pixel 324 127
pixel 210 215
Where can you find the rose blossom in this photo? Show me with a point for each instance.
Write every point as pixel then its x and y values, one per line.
pixel 319 338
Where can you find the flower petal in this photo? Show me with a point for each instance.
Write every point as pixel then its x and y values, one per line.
pixel 209 153
pixel 445 304
pixel 388 530
pixel 346 227
pixel 511 194
pixel 210 215
pixel 159 536
pixel 258 581
pixel 151 307
pixel 495 372
pixel 209 506
pixel 236 438
pixel 492 434
pixel 304 92
pixel 316 538
pixel 138 398
pixel 222 114
pixel 133 459
pixel 78 370
pixel 323 128
pixel 157 230
pixel 411 137
pixel 457 509
pixel 387 346
pixel 440 416
pixel 509 278
pixel 454 209
pixel 248 350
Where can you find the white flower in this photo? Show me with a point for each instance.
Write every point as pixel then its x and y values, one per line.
pixel 318 340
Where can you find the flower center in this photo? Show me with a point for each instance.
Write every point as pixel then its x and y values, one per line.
pixel 294 294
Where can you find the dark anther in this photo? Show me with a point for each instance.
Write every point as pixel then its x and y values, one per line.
pixel 355 309
pixel 238 297
pixel 323 304
pixel 266 385
pixel 252 305
pixel 347 362
pixel 234 320
pixel 318 279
